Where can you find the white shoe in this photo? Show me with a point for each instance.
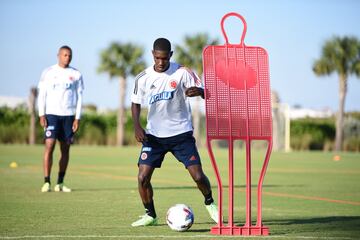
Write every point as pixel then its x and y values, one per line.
pixel 213 212
pixel 46 187
pixel 145 220
pixel 61 188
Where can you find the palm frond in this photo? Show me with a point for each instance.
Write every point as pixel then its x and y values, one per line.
pixel 340 55
pixel 121 60
pixel 190 53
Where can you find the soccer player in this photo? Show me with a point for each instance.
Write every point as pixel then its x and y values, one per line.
pixel 59 104
pixel 165 87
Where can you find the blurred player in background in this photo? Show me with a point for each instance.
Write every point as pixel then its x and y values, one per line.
pixel 165 88
pixel 59 104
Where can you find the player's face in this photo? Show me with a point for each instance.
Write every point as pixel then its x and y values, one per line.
pixel 162 60
pixel 64 57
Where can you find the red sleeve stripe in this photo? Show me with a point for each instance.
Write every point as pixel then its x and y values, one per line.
pixel 197 80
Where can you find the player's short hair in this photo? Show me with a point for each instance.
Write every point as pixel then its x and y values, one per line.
pixel 65 47
pixel 162 44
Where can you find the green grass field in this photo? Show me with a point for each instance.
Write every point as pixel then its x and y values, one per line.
pixel 307 195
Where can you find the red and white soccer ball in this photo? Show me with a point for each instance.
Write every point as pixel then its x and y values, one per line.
pixel 180 217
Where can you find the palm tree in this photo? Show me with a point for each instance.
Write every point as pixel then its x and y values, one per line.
pixel 340 55
pixel 190 55
pixel 121 60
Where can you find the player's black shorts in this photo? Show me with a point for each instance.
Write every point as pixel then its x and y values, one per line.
pixel 182 146
pixel 60 127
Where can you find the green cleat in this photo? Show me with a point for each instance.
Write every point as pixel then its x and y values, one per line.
pixel 213 211
pixel 61 188
pixel 145 220
pixel 46 187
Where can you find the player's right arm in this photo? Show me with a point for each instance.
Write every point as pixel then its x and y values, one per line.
pixel 43 122
pixel 139 131
pixel 137 98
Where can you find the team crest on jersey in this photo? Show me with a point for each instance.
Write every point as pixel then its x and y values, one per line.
pixel 144 156
pixel 173 84
pixel 71 78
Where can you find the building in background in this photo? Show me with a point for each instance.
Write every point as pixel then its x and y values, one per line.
pixel 12 102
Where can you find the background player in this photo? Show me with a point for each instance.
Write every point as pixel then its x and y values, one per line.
pixel 59 104
pixel 165 87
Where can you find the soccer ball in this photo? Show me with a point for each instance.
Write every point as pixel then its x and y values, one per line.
pixel 180 217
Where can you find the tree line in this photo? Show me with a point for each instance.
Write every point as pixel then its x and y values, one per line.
pixel 101 129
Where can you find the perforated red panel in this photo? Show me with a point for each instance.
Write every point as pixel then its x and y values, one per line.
pixel 238 95
pixel 238 106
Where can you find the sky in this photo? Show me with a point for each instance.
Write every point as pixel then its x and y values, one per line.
pixel 292 32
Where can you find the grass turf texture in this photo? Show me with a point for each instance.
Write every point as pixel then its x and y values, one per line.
pixel 307 195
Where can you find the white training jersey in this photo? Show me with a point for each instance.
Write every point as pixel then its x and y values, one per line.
pixel 60 91
pixel 169 112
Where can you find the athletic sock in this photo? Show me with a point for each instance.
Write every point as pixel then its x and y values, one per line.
pixel 61 177
pixel 47 179
pixel 150 209
pixel 208 199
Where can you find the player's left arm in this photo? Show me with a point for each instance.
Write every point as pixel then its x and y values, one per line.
pixel 76 125
pixel 194 92
pixel 79 92
pixel 193 84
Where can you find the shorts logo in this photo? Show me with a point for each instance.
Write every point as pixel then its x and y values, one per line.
pixel 48 133
pixel 144 156
pixel 173 84
pixel 193 158
pixel 146 149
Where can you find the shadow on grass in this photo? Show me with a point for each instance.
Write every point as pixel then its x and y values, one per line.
pixel 332 225
pixel 336 226
pixel 198 230
pixel 190 230
pixel 336 219
pixel 225 186
pixel 172 188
